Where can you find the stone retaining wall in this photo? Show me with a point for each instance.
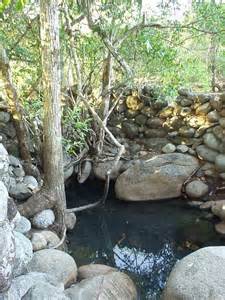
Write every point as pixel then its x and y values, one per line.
pixel 194 123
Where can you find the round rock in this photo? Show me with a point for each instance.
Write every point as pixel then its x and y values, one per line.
pixel 169 148
pixel 206 153
pixel 114 285
pixel 92 270
pixel 199 275
pixel 211 141
pixel 54 262
pixel 182 148
pixel 196 189
pixel 23 225
pixel 220 162
pixel 43 219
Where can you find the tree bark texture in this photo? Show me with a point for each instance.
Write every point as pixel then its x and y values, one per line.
pixel 52 139
pixel 14 107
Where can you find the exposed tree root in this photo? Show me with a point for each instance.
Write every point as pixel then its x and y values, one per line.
pixel 97 203
pixel 39 201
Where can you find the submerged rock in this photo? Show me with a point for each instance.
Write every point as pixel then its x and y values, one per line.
pixel 199 275
pixel 158 178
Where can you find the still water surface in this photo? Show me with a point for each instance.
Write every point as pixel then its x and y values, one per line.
pixel 143 239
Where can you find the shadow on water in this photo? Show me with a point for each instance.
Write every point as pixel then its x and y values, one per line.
pixel 143 239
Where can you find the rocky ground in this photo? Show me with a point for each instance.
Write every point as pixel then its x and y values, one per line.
pixel 30 267
pixel 173 150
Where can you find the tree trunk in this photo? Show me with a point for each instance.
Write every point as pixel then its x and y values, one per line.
pixel 212 54
pixel 15 109
pixel 52 194
pixel 52 140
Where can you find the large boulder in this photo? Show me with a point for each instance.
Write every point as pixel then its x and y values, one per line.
pixel 199 275
pixel 56 263
pixel 92 270
pixel 7 245
pixel 4 165
pixel 44 290
pixel 24 253
pixel 22 284
pixel 158 178
pixel 112 286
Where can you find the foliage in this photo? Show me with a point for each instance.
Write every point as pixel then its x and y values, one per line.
pixel 176 55
pixel 75 130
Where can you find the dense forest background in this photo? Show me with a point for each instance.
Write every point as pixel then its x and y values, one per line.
pixel 105 44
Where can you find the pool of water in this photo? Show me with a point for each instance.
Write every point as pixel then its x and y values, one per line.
pixel 143 239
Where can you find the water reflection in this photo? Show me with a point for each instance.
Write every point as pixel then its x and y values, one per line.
pixel 144 239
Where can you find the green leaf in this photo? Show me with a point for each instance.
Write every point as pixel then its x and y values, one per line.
pixel 20 4
pixel 6 2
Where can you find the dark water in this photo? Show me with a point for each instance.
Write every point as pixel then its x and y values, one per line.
pixel 143 239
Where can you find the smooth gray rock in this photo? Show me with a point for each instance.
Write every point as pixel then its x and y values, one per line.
pixel 182 148
pixel 14 161
pixel 169 148
pixel 23 225
pixel 22 284
pixel 18 171
pixel 196 189
pixel 222 122
pixel 101 168
pixel 211 141
pixel 213 116
pixel 220 162
pixel 30 182
pixel 4 116
pixel 218 209
pixel 38 241
pixel 219 132
pixel 3 202
pixel 45 290
pixel 206 154
pixel 4 165
pixel 7 255
pixel 43 219
pixel 51 238
pixel 20 191
pixel 56 263
pixel 160 177
pixel 186 132
pixel 199 275
pixel 92 270
pixel 43 239
pixel 70 220
pixel 24 253
pixel 111 286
